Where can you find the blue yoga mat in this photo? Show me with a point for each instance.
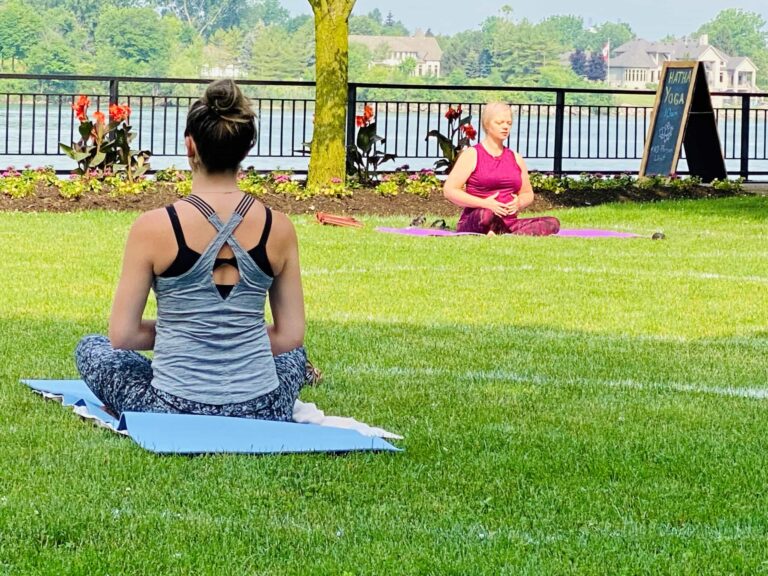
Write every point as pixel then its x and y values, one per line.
pixel 194 434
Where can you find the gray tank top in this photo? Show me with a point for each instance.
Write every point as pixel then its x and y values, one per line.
pixel 209 348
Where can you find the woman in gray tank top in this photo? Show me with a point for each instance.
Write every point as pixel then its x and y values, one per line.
pixel 212 260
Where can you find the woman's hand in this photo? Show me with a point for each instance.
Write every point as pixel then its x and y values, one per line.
pixel 501 209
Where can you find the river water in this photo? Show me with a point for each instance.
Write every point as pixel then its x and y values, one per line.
pixel 600 142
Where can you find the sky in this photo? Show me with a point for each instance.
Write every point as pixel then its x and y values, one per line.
pixel 649 19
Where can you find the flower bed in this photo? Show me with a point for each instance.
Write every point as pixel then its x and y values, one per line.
pixel 396 193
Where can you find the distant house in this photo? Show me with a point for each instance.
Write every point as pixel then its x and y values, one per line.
pixel 394 50
pixel 638 63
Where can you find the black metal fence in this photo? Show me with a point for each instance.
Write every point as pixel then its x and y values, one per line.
pixel 561 130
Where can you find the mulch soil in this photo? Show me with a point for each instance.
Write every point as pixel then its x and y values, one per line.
pixel 362 202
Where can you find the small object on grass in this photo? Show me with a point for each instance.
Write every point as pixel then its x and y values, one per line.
pixel 312 376
pixel 440 224
pixel 418 222
pixel 658 236
pixel 334 220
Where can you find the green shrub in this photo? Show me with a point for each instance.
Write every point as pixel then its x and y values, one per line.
pixel 120 185
pixel 423 183
pixel 251 182
pixel 726 185
pixel 387 187
pixel 21 184
pixel 335 188
pixel 78 186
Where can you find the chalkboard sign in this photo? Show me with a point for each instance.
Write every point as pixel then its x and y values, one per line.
pixel 683 115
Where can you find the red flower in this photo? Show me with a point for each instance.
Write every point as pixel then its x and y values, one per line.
pixel 119 113
pixel 365 119
pixel 80 107
pixel 99 116
pixel 453 114
pixel 469 131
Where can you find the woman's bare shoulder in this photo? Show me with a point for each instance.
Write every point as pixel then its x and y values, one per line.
pixel 151 224
pixel 282 227
pixel 469 152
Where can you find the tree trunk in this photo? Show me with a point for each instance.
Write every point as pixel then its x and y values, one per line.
pixel 328 152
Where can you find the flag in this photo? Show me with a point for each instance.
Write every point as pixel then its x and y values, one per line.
pixel 606 50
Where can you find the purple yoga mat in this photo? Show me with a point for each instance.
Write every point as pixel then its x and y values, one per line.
pixel 571 233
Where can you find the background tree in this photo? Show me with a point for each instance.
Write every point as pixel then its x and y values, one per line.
pixel 520 50
pixel 225 49
pixel 131 42
pixel 407 67
pixel 596 68
pixel 186 51
pixel 328 158
pixel 204 16
pixel 462 51
pixel 19 32
pixel 578 61
pixel 85 12
pixel 740 33
pixel 53 55
pixel 364 26
pixel 567 31
pixel 269 13
pixel 288 63
pixel 359 60
pixel 485 63
pixel 617 33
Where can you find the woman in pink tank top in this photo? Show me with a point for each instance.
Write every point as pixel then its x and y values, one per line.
pixel 490 182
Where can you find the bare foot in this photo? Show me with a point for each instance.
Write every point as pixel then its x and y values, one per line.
pixel 491 233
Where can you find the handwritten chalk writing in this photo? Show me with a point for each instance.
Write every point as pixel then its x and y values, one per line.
pixel 679 76
pixel 671 97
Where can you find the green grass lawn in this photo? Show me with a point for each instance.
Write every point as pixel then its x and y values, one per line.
pixel 568 406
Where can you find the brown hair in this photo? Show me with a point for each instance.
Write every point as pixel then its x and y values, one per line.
pixel 222 125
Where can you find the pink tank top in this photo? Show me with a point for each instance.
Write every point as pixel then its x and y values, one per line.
pixel 494 174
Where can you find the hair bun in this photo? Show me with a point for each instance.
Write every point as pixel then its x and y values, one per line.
pixel 224 98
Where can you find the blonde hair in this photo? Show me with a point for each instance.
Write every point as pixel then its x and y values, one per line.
pixel 492 109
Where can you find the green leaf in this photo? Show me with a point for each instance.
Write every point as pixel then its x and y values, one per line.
pixel 446 146
pixel 85 129
pixel 98 158
pixel 366 136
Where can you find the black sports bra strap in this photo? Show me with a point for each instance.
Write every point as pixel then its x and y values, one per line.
pixel 267 228
pixel 177 231
pixel 201 205
pixel 245 205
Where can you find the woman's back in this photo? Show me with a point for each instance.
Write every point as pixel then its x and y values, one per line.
pixel 211 344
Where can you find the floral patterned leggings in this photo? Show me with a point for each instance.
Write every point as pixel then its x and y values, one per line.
pixel 483 220
pixel 122 379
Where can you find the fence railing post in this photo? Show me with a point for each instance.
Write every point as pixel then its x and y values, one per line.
pixel 114 91
pixel 557 168
pixel 744 166
pixel 351 110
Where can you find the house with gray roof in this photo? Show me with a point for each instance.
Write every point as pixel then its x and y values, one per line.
pixel 394 50
pixel 638 63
